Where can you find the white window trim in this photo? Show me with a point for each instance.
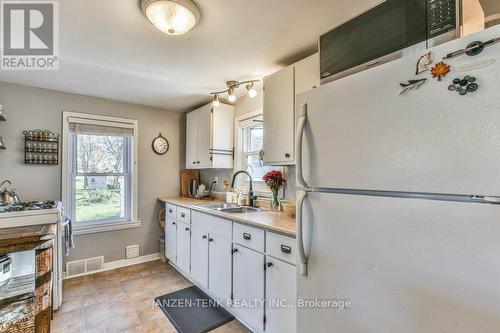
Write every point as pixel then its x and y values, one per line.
pixel 90 227
pixel 259 188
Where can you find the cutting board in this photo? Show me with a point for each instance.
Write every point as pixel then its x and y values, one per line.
pixel 186 176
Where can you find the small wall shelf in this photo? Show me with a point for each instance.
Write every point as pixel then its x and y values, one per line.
pixel 41 147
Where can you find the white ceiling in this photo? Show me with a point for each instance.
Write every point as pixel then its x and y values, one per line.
pixel 108 48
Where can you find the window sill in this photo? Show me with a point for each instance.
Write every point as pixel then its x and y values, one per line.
pixel 105 227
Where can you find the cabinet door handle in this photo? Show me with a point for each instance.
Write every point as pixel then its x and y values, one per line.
pixel 183 214
pixel 286 249
pixel 198 162
pixel 194 162
pixel 187 229
pixel 210 239
pixel 247 236
pixel 173 223
pixel 204 237
pixel 269 264
pixel 287 155
pixel 170 210
pixel 235 250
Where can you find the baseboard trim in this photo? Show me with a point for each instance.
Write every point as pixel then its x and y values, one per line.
pixel 118 264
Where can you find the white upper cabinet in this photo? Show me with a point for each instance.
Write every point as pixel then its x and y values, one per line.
pixel 204 129
pixel 191 139
pixel 279 119
pixel 307 74
pixel 209 137
pixel 280 89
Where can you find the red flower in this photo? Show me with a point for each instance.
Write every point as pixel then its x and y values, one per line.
pixel 274 180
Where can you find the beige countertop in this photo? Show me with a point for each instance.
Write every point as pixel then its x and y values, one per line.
pixel 273 221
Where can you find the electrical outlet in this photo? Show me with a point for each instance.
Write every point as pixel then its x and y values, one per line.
pixel 216 180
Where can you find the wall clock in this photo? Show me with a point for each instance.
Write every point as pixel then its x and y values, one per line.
pixel 160 145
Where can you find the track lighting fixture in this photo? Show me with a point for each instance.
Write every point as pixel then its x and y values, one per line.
pixel 251 90
pixel 231 87
pixel 232 96
pixel 216 102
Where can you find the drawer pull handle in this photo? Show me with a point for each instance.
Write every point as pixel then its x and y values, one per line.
pixel 173 223
pixel 286 249
pixel 170 210
pixel 183 214
pixel 247 236
pixel 204 237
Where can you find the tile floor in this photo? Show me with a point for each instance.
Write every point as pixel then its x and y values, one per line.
pixel 121 300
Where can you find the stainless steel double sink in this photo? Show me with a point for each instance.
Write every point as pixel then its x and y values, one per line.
pixel 231 208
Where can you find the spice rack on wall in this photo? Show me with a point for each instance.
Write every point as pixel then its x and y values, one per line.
pixel 41 147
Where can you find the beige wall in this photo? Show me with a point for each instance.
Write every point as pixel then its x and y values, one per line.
pixel 31 108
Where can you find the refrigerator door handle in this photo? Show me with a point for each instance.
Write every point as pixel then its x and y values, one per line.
pixel 298 145
pixel 300 234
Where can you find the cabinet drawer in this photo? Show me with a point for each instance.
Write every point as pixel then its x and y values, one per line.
pixel 184 215
pixel 281 247
pixel 171 211
pixel 249 237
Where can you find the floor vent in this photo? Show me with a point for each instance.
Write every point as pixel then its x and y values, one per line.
pixel 132 251
pixel 84 266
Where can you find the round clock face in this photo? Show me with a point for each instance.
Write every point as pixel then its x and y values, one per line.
pixel 160 145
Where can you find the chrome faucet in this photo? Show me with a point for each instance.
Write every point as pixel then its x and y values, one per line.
pixel 251 198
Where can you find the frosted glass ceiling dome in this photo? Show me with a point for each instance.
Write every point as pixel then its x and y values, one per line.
pixel 172 17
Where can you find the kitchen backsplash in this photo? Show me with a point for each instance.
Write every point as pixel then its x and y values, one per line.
pixel 207 176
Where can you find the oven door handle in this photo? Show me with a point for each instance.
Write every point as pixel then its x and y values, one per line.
pixel 65 223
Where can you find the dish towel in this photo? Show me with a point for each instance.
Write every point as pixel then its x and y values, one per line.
pixel 68 236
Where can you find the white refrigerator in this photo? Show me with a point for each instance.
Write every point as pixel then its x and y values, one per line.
pixel 398 206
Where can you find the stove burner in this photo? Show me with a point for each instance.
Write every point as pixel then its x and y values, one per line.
pixel 23 206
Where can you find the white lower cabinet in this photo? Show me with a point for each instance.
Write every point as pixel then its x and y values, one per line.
pixel 171 239
pixel 211 254
pixel 199 255
pixel 258 276
pixel 281 295
pixel 219 267
pixel 184 247
pixel 248 285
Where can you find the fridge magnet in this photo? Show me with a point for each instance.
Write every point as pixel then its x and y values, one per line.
pixel 423 63
pixel 440 70
pixel 411 85
pixel 473 48
pixel 464 85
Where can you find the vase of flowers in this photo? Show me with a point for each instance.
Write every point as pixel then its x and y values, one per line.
pixel 275 181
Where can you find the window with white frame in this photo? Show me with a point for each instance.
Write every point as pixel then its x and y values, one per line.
pixel 250 137
pixel 100 170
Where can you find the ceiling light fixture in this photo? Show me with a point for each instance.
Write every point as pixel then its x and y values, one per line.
pixel 216 102
pixel 232 96
pixel 251 90
pixel 231 87
pixel 172 17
